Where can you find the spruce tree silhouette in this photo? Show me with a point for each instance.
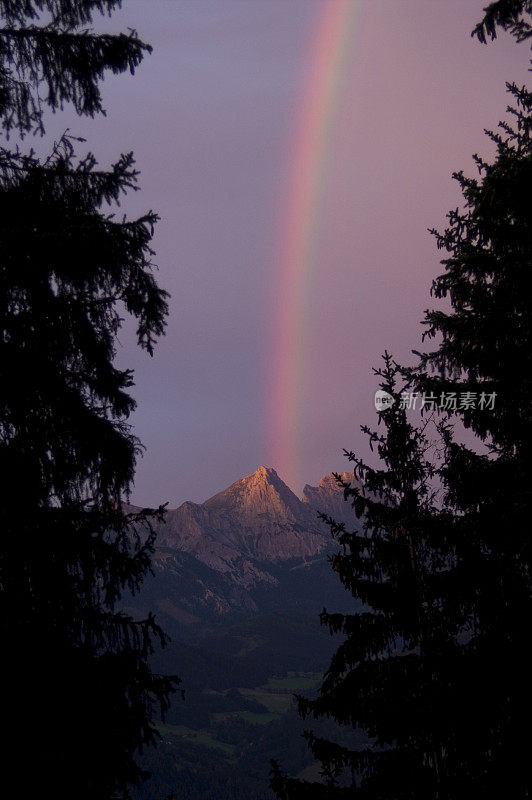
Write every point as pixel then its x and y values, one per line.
pixel 485 352
pixel 393 675
pixel 510 15
pixel 45 46
pixel 79 696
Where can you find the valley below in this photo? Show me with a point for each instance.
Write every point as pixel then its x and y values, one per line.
pixel 238 584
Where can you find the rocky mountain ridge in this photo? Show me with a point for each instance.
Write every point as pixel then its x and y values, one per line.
pixel 259 518
pixel 252 545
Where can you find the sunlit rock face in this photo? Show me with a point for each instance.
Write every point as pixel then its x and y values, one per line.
pixel 258 517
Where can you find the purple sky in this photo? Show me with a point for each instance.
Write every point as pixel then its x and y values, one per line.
pixel 209 116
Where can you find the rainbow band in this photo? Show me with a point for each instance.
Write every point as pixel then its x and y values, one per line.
pixel 297 252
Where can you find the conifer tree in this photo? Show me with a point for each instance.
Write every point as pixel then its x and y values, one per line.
pixel 48 58
pixel 392 675
pixel 78 695
pixel 510 15
pixel 483 359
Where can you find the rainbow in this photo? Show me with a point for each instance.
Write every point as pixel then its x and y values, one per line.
pixel 335 33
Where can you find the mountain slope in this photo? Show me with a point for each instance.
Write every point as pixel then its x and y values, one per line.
pixel 238 583
pixel 256 519
pixel 254 547
pixel 328 498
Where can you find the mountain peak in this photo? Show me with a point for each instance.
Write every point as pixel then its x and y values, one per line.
pixel 328 498
pixel 265 473
pixel 261 492
pixel 329 481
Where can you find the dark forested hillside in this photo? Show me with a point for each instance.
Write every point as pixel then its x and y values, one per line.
pixel 243 617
